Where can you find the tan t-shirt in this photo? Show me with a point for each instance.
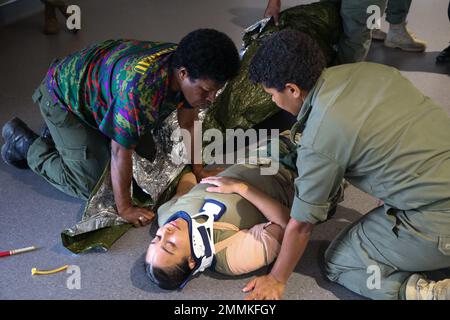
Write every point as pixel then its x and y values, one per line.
pixel 254 245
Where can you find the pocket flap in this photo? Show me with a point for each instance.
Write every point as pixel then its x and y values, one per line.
pixel 36 95
pixel 444 245
pixel 76 154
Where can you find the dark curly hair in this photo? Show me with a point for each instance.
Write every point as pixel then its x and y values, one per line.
pixel 171 278
pixel 207 54
pixel 288 56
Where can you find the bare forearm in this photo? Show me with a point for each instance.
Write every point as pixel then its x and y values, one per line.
pixel 186 120
pixel 121 174
pixel 272 209
pixel 296 238
pixel 197 168
pixel 274 3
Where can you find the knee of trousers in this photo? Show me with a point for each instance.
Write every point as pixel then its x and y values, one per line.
pixel 330 268
pixel 36 155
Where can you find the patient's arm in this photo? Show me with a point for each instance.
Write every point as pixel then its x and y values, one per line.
pixel 260 245
pixel 272 209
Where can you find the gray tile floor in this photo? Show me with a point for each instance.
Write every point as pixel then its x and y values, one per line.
pixel 33 213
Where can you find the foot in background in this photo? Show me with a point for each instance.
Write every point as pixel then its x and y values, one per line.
pixel 378 34
pixel 420 288
pixel 400 37
pixel 51 24
pixel 444 56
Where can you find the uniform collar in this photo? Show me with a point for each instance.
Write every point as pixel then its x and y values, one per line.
pixel 305 111
pixel 302 117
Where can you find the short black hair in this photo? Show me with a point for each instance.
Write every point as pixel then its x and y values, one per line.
pixel 288 56
pixel 207 54
pixel 170 278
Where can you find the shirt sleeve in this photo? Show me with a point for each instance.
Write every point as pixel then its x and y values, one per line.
pixel 124 122
pixel 319 178
pixel 257 245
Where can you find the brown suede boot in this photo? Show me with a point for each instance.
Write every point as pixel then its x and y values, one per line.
pixel 51 25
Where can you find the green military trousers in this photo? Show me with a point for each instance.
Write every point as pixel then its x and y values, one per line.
pixel 356 37
pixel 76 158
pixel 397 11
pixel 392 244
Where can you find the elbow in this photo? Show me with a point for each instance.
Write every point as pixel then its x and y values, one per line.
pixel 301 227
pixel 119 152
pixel 285 218
pixel 115 149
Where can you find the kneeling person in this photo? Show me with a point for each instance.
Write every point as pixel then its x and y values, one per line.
pixel 102 102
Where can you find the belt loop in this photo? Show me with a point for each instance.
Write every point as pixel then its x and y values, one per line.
pixel 37 95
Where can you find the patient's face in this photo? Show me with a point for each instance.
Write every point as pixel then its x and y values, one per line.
pixel 171 244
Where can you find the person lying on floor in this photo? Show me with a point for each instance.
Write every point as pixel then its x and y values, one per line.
pixel 200 229
pixel 238 213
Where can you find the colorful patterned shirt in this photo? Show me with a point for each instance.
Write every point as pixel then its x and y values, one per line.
pixel 120 87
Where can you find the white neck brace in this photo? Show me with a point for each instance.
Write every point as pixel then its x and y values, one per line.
pixel 201 234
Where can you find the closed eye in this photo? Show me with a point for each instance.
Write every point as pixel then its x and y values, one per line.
pixel 169 244
pixel 155 239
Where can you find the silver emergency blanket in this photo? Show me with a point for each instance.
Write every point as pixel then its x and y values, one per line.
pixel 152 177
pixel 253 32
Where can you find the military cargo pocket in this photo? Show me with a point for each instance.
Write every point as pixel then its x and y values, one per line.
pixel 51 110
pixel 74 154
pixel 55 114
pixel 444 245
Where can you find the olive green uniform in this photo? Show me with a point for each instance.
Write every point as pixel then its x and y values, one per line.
pixel 368 124
pixel 75 157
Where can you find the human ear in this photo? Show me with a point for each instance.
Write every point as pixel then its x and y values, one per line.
pixel 191 263
pixel 182 73
pixel 293 90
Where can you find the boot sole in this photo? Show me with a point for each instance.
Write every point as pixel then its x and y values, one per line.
pixel 394 46
pixel 411 291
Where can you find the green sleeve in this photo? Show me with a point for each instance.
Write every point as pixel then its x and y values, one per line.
pixel 318 181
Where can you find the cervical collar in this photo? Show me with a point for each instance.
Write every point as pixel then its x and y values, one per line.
pixel 201 234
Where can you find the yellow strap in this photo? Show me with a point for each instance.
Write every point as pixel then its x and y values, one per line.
pixel 36 271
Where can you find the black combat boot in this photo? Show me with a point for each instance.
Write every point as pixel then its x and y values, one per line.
pixel 18 139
